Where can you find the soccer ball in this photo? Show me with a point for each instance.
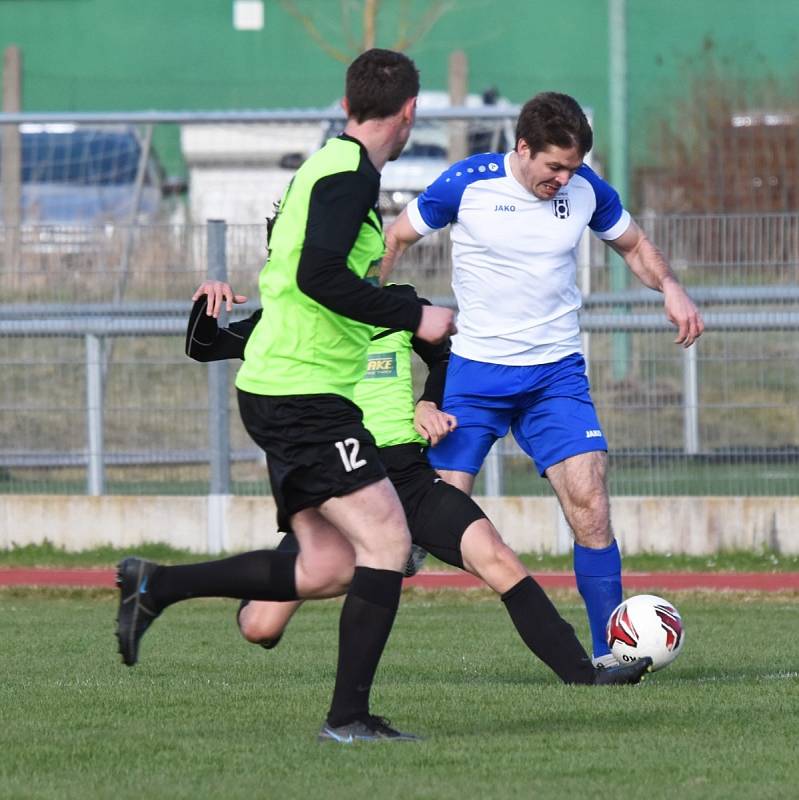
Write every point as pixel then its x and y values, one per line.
pixel 645 625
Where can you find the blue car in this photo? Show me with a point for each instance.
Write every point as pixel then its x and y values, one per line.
pixel 86 176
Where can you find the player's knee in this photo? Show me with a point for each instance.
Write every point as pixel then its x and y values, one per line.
pixel 589 517
pixel 395 528
pixel 593 529
pixel 399 540
pixel 594 539
pixel 390 535
pixel 258 623
pixel 389 550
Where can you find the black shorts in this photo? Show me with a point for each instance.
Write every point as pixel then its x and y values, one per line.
pixel 316 448
pixel 438 514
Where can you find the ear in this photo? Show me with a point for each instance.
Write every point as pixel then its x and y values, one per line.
pixel 523 149
pixel 345 104
pixel 409 110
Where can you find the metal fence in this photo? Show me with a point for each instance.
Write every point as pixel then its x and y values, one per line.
pixel 96 274
pixel 97 395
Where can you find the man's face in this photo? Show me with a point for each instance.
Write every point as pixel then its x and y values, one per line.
pixel 407 120
pixel 545 173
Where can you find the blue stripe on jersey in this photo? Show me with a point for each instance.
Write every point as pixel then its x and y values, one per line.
pixel 608 205
pixel 439 203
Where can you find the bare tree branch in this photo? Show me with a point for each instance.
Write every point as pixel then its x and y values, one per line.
pixel 313 32
pixel 433 15
pixel 407 34
pixel 346 24
pixel 404 16
pixel 371 8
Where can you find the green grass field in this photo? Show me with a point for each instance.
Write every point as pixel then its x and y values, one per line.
pixel 46 555
pixel 206 716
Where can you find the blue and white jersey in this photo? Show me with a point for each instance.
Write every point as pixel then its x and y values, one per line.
pixel 514 267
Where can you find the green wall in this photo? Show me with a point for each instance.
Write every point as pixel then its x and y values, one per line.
pixel 185 54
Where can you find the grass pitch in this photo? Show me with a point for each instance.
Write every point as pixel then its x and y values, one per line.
pixel 205 715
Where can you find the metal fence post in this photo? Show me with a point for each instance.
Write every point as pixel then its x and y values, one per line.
pixel 494 470
pixel 95 478
pixel 218 412
pixel 690 401
pixel 563 533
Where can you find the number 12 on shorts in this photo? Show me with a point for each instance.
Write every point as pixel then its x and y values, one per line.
pixel 348 450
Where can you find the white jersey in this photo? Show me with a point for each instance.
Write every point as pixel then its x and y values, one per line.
pixel 514 268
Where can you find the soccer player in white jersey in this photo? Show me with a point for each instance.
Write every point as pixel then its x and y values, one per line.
pixel 517 364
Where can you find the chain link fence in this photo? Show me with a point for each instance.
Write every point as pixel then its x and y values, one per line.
pixel 97 395
pixel 92 384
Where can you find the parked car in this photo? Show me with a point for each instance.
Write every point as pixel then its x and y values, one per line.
pixel 81 176
pixel 78 185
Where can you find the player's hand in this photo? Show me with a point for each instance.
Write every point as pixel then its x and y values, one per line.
pixel 437 323
pixel 680 310
pixel 431 423
pixel 218 292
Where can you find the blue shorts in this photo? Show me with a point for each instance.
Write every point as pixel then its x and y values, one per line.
pixel 547 406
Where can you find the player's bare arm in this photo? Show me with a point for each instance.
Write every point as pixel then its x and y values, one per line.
pixel 218 292
pixel 432 423
pixel 651 268
pixel 400 235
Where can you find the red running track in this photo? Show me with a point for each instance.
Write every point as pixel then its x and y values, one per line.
pixel 734 581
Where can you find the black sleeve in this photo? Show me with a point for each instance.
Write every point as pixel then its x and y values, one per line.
pixel 339 205
pixel 206 341
pixel 243 328
pixel 436 356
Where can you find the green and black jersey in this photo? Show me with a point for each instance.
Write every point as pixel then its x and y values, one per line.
pixel 384 391
pixel 321 313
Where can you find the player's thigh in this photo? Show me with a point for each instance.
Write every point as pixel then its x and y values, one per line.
pixel 326 558
pixel 559 419
pixel 438 515
pixel 374 522
pixel 479 425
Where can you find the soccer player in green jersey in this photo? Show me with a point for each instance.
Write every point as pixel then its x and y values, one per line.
pixel 295 393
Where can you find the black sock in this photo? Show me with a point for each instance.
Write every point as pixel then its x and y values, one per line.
pixel 288 544
pixel 366 620
pixel 546 633
pixel 258 575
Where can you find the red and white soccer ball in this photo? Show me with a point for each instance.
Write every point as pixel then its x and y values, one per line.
pixel 645 625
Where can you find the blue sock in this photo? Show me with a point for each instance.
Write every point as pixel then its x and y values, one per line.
pixel 598 574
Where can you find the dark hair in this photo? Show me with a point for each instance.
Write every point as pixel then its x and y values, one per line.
pixel 554 119
pixel 379 82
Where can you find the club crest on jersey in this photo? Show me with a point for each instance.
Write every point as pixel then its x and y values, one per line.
pixel 560 207
pixel 381 365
